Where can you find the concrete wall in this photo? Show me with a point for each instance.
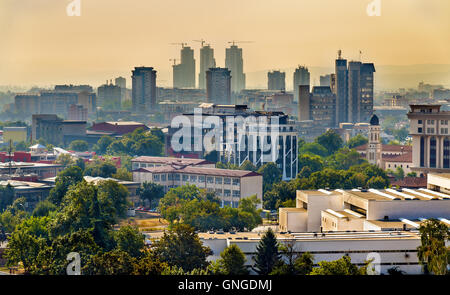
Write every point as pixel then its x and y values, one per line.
pixel 408 209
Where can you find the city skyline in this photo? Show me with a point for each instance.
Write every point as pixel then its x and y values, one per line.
pixel 82 50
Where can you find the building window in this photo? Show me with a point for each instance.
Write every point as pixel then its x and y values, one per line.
pixel 420 122
pixel 163 177
pixel 236 194
pixel 193 178
pixel 201 179
pixel 227 180
pixel 176 177
pixel 433 152
pixel 235 181
pixel 422 152
pixel 446 153
pixel 218 192
pixel 218 180
pixel 227 193
pixel 169 176
pixel 156 177
pixel 185 177
pixel 210 179
pixel 419 130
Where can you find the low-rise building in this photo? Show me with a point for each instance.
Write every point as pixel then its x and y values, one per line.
pixel 42 170
pixel 151 162
pixel 230 186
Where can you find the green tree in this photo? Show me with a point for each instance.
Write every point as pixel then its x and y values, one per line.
pixel 130 240
pixel 6 196
pixel 271 174
pixel 150 191
pixel 432 253
pixel 313 162
pixel 314 148
pixel 66 178
pixel 123 174
pixel 100 168
pixel 79 146
pixel 267 254
pixel 65 160
pixel 356 141
pixel 294 264
pixel 116 194
pixel 102 144
pixel 344 158
pixel 115 262
pixel 232 261
pixel 331 141
pixel 340 267
pixel 44 208
pixel 182 247
pixel 399 173
pixel 249 166
pixel 26 242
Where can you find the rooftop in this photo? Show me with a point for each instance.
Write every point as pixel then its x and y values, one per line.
pixel 199 170
pixel 171 160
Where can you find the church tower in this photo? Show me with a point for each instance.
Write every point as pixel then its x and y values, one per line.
pixel 374 145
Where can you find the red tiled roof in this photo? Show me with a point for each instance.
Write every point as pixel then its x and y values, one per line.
pixel 404 158
pixel 199 170
pixel 411 182
pixel 171 160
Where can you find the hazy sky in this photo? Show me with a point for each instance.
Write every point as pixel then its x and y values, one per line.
pixel 41 45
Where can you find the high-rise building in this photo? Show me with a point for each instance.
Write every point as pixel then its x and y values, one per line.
pixel 121 82
pixel 319 106
pixel 276 80
pixel 110 96
pixel 341 89
pixel 360 91
pixel 301 77
pixel 218 85
pixel 143 89
pixel 235 63
pixel 207 61
pixel 353 86
pixel 184 72
pixel 325 80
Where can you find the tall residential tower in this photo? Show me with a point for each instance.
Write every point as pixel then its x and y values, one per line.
pixel 144 89
pixel 207 61
pixel 235 63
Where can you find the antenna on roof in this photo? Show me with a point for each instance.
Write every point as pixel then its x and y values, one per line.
pixel 339 54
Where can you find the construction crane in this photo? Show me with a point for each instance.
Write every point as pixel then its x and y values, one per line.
pixel 174 61
pixel 182 44
pixel 201 41
pixel 234 42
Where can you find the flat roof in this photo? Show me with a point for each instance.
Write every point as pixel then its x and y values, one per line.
pixel 170 160
pixel 306 236
pixel 403 194
pixel 199 170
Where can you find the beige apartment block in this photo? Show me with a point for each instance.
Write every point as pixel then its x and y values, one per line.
pixel 230 186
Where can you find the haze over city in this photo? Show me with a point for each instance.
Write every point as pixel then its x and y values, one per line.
pixel 43 46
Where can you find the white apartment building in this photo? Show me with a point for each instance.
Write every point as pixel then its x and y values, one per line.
pixel 230 186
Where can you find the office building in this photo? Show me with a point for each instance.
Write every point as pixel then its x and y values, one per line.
pixel 144 89
pixel 218 85
pixel 207 61
pixel 230 186
pixel 110 96
pixel 301 78
pixel 429 129
pixel 117 128
pixel 231 148
pixel 353 85
pixel 235 63
pixel 318 106
pixel 121 82
pixel 78 113
pixel 325 80
pixel 341 89
pixel 152 162
pixel 57 131
pixel 360 91
pixel 184 72
pixel 276 80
